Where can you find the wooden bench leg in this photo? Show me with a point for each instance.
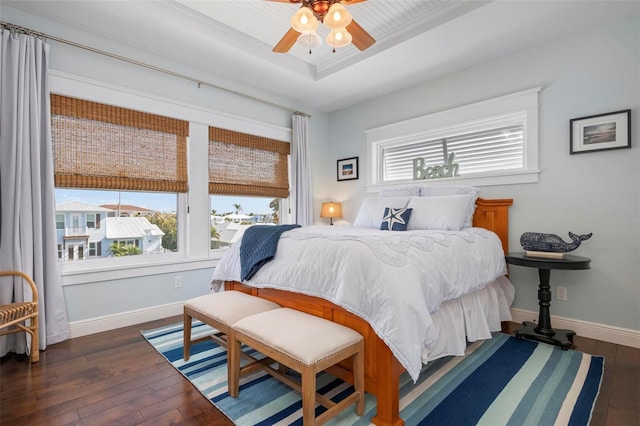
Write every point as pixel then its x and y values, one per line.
pixel 358 379
pixel 187 336
pixel 233 365
pixel 308 396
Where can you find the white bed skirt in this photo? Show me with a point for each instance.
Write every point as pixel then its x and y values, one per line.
pixel 469 318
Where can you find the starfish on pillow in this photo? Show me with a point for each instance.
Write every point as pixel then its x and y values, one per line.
pixel 394 216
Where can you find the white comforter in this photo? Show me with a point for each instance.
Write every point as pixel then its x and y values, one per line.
pixel 393 280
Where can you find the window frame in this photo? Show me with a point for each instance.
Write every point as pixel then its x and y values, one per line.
pixel 460 119
pixel 193 207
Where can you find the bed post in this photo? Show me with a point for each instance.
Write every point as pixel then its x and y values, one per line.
pixel 494 216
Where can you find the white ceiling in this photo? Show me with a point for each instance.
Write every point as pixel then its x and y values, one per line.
pixel 416 40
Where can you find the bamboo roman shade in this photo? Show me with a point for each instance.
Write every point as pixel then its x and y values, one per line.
pixel 247 165
pixel 100 146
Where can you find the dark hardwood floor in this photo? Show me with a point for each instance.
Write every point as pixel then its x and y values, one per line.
pixel 116 377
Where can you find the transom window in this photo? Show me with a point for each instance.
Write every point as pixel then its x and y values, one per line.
pixel 487 143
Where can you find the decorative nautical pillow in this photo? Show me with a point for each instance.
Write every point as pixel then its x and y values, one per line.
pixel 372 210
pixel 395 219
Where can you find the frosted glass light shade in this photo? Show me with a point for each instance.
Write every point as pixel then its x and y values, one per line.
pixel 304 21
pixel 310 41
pixel 339 38
pixel 337 17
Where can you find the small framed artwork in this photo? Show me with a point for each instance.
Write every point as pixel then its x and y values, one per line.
pixel 348 168
pixel 600 132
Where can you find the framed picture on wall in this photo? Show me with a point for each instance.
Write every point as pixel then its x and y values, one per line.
pixel 600 132
pixel 348 168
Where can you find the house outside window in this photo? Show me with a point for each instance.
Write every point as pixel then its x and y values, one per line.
pixel 487 143
pixel 103 154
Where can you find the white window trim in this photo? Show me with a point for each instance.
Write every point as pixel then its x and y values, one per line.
pixel 433 125
pixel 194 249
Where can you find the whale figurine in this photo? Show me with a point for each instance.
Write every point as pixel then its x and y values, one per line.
pixel 537 241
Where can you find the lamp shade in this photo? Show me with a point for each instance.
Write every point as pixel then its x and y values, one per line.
pixel 304 21
pixel 339 38
pixel 331 210
pixel 310 41
pixel 337 17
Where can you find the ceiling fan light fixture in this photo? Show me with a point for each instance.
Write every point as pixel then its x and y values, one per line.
pixel 304 21
pixel 310 41
pixel 339 38
pixel 337 17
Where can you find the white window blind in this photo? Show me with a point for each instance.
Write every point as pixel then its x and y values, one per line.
pixel 488 150
pixel 492 142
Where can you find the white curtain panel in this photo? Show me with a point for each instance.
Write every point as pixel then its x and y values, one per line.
pixel 27 206
pixel 302 190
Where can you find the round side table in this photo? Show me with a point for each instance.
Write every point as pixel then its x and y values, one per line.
pixel 543 332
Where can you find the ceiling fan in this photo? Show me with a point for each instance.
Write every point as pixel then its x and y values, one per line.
pixel 321 11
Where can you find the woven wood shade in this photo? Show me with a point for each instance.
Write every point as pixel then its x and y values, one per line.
pixel 247 165
pixel 100 146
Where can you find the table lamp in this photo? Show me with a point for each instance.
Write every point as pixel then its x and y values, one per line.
pixel 331 210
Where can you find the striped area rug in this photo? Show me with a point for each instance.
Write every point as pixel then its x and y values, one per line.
pixel 502 381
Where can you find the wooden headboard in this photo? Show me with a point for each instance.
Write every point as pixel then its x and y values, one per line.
pixel 494 216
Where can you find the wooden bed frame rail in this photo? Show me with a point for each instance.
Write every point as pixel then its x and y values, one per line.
pixel 382 370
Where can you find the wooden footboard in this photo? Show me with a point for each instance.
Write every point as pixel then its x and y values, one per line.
pixel 382 370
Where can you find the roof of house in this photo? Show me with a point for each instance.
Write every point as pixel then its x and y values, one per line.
pixel 77 206
pixel 130 227
pixel 230 232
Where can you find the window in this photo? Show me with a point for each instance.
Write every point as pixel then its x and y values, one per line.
pixel 178 215
pixel 91 220
pixel 248 179
pixel 123 167
pixel 487 143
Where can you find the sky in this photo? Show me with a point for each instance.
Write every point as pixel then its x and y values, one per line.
pixel 159 201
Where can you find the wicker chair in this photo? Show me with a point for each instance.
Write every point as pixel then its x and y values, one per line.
pixel 16 314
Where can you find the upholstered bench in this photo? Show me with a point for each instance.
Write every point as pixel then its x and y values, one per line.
pixel 221 310
pixel 306 344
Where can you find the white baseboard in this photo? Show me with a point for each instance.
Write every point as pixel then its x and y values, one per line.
pixel 606 333
pixel 124 319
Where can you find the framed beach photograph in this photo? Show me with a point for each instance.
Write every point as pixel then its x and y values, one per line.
pixel 600 132
pixel 348 168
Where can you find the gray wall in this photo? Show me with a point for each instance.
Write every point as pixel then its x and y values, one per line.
pixel 588 73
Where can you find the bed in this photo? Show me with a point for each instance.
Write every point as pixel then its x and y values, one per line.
pixel 452 315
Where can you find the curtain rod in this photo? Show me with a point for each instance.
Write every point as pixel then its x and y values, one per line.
pixel 17 28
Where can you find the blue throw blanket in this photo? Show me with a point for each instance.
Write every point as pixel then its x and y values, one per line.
pixel 258 246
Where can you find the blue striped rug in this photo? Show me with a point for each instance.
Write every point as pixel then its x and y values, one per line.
pixel 502 381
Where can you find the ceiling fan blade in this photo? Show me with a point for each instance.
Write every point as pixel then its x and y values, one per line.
pixel 349 1
pixel 286 42
pixel 361 39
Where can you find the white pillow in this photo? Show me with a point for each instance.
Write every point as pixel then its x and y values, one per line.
pixel 445 213
pixel 372 210
pixel 430 191
pixel 402 191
